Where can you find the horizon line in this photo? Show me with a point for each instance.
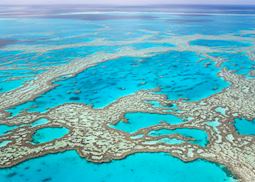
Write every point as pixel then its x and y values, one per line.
pixel 132 5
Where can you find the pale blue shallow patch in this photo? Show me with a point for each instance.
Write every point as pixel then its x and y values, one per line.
pixel 39 122
pixel 4 143
pixel 68 166
pixel 171 141
pixel 44 135
pixel 245 127
pixel 221 110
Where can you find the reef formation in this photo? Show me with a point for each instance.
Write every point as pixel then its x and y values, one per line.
pixel 90 131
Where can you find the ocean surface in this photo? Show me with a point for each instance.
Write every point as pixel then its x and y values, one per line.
pixel 69 166
pixel 34 39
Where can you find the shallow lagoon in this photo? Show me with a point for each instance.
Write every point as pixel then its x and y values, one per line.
pixel 44 135
pixel 245 127
pixel 136 121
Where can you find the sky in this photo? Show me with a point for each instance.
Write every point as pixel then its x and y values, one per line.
pixel 127 2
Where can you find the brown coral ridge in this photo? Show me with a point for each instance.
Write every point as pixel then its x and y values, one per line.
pixel 92 136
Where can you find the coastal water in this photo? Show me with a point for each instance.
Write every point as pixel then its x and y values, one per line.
pixel 68 166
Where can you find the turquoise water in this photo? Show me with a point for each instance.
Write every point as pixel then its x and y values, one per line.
pixel 5 129
pixel 245 127
pixel 44 135
pixel 11 84
pixel 136 168
pixel 138 121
